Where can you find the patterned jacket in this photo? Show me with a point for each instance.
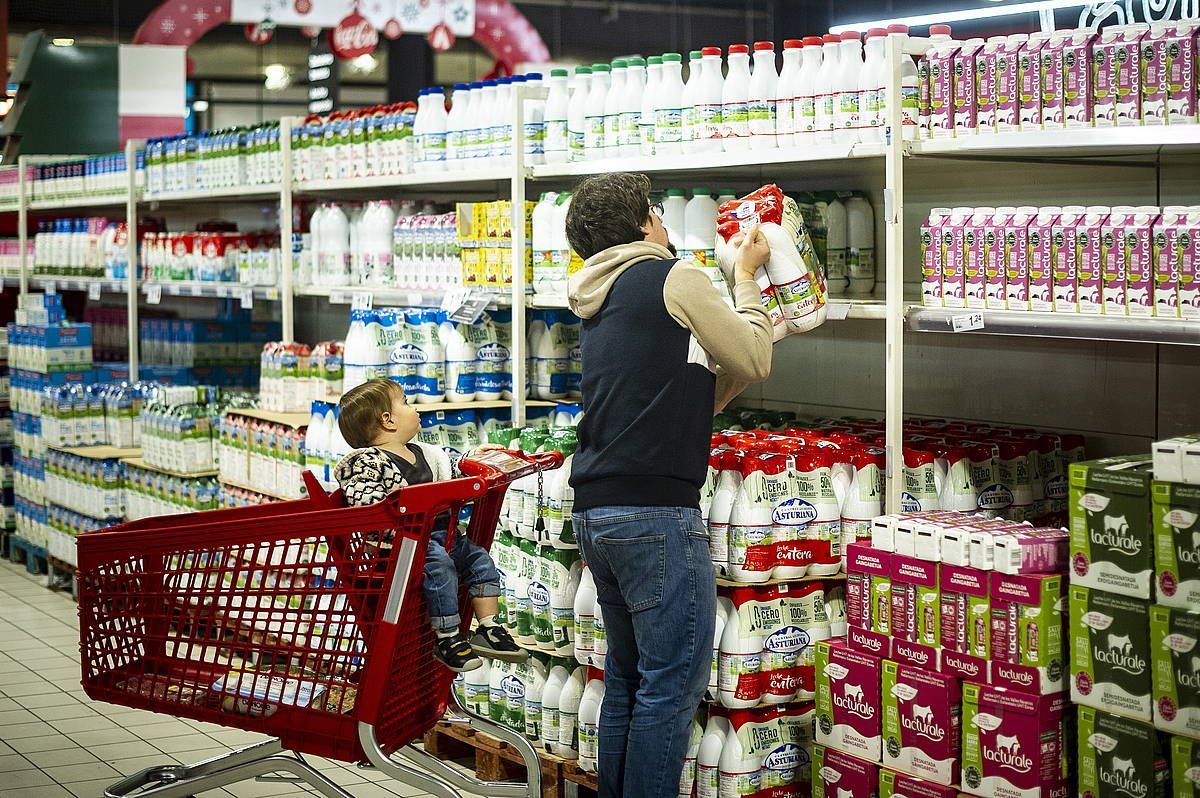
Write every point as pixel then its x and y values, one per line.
pixel 367 476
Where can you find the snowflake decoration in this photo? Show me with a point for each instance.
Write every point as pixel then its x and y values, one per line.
pixel 217 9
pixel 460 14
pixel 200 16
pixel 187 32
pixel 183 7
pixel 409 12
pixel 167 26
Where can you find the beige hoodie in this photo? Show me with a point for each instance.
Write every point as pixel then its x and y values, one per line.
pixel 733 342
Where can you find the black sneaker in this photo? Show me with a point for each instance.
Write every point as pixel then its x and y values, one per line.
pixel 494 641
pixel 456 654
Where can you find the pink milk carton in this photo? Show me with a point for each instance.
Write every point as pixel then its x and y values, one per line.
pixel 966 104
pixel 1089 239
pixel 941 89
pixel 995 266
pixel 1029 74
pixel 1154 74
pixel 1008 83
pixel 1188 243
pixel 1114 264
pixel 931 257
pixel 1012 743
pixel 917 639
pixel 1041 259
pixel 1077 79
pixel 1066 259
pixel 848 700
pixel 839 775
pixel 1166 261
pixel 975 252
pixel 985 83
pixel 1053 101
pixel 1139 261
pixel 953 258
pixel 1104 77
pixel 1178 45
pixel 921 716
pixel 962 589
pixel 1016 258
pixel 901 785
pixel 1129 74
pixel 1029 645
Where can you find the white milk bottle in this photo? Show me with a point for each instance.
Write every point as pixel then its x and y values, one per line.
pixel 475 689
pixel 909 90
pixel 599 636
pixel 740 770
pixel 375 241
pixel 497 700
pixel 461 360
pixel 668 107
pixel 502 122
pixel 535 688
pixel 735 100
pixel 628 142
pixel 871 87
pixel 545 272
pixel 589 722
pixel 708 757
pixel 750 523
pixel 455 123
pixel 488 124
pixel 814 480
pixel 333 246
pixel 786 93
pixel 418 129
pixel 674 218
pixel 551 359
pixel 534 122
pixel 724 607
pixel 612 108
pixel 804 91
pixel 646 119
pixel 835 609
pixel 764 95
pixel 556 680
pixel 690 88
pixel 577 115
pixel 741 656
pixel 860 224
pixel 837 247
pixel 846 84
pixel 700 235
pixel 567 570
pixel 557 100
pixel 825 96
pixel 585 622
pixel 526 570
pixel 568 714
pixel 729 483
pixel 864 498
pixel 687 780
pixel 434 145
pixel 593 141
pixel 707 101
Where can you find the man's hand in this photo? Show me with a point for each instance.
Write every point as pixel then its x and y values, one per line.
pixel 753 251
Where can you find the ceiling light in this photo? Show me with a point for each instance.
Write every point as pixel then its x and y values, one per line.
pixel 963 15
pixel 64 41
pixel 278 77
pixel 200 106
pixel 363 64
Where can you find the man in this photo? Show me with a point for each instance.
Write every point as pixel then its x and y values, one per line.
pixel 662 351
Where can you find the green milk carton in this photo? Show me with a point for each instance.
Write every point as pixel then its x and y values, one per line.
pixel 1111 533
pixel 1119 757
pixel 1110 652
pixel 1176 510
pixel 1176 669
pixel 1185 768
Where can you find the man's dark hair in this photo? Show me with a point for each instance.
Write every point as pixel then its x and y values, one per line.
pixel 607 210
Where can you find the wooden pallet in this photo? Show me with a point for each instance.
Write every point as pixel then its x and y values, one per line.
pixel 495 760
pixel 583 782
pixel 22 552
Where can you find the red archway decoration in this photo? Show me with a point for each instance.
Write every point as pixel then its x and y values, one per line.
pixel 500 28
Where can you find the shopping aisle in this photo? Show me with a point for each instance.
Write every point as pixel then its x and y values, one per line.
pixel 55 742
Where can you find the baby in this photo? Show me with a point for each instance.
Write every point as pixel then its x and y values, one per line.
pixel 376 419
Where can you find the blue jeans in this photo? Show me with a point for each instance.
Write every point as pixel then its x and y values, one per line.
pixel 656 587
pixel 442 571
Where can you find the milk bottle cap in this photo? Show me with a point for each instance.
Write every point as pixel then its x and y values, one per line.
pixel 738 49
pixel 811 41
pixel 675 192
pixel 701 192
pixel 554 73
pixel 830 38
pixel 710 51
pixel 583 70
pixel 792 44
pixel 875 33
pixel 654 60
pixel 850 36
pixel 898 28
pixel 694 55
pixel 619 63
pixel 939 30
pixel 672 58
pixel 636 61
pixel 601 68
pixel 764 46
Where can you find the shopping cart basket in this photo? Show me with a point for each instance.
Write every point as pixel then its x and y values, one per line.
pixel 303 620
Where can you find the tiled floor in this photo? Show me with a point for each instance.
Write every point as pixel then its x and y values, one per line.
pixel 55 742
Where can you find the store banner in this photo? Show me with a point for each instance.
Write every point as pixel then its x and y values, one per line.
pixel 412 16
pixel 151 93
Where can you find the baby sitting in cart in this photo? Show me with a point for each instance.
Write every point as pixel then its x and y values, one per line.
pixel 376 419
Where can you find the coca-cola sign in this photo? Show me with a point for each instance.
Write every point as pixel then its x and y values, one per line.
pixel 353 36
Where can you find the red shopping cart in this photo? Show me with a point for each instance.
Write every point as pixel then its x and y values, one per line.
pixel 303 620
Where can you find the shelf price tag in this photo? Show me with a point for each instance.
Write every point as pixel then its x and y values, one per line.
pixel 246 297
pixel 966 322
pixel 272 293
pixel 51 287
pixel 193 290
pixel 838 311
pixel 361 300
pixel 339 297
pixel 94 291
pixel 154 293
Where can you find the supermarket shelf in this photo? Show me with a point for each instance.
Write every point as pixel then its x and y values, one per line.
pixel 838 577
pixel 749 162
pixel 212 290
pixel 250 192
pixel 433 181
pixel 88 201
pixel 1055 325
pixel 259 491
pixel 140 462
pixel 387 297
pixel 99 452
pixel 485 405
pixel 1088 142
pixel 295 420
pixel 839 308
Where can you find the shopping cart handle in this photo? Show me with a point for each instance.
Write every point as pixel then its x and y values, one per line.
pixel 501 466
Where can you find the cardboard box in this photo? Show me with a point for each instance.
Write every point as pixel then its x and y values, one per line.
pixel 848 700
pixel 1119 757
pixel 1176 669
pixel 1176 511
pixel 1029 652
pixel 921 717
pixel 1013 743
pixel 1111 532
pixel 1110 652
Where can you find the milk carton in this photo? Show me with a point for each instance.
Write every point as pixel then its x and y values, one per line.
pixel 839 775
pixel 848 700
pixel 1041 259
pixel 953 258
pixel 902 785
pixel 1008 84
pixel 975 256
pixel 1077 79
pixel 1114 269
pixel 1129 74
pixel 1154 74
pixel 1176 510
pixel 1089 237
pixel 1104 77
pixel 1139 261
pixel 1176 676
pixel 1027 631
pixel 995 265
pixel 1012 743
pixel 966 630
pixel 1017 247
pixel 1169 459
pixel 986 62
pixel 1188 245
pixel 1065 254
pixel 1175 44
pixel 966 103
pixel 931 257
pixel 921 714
pixel 1111 533
pixel 1167 257
pixel 1029 74
pixel 871 570
pixel 1185 768
pixel 1110 652
pixel 1119 757
pixel 916 634
pixel 1053 100
pixel 941 89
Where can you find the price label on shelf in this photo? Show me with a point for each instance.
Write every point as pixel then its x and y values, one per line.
pixel 246 297
pixel 838 311
pixel 154 294
pixel 415 298
pixel 94 291
pixel 966 322
pixel 361 300
pixel 193 290
pixel 272 293
pixel 339 297
pixel 466 306
pixel 51 287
